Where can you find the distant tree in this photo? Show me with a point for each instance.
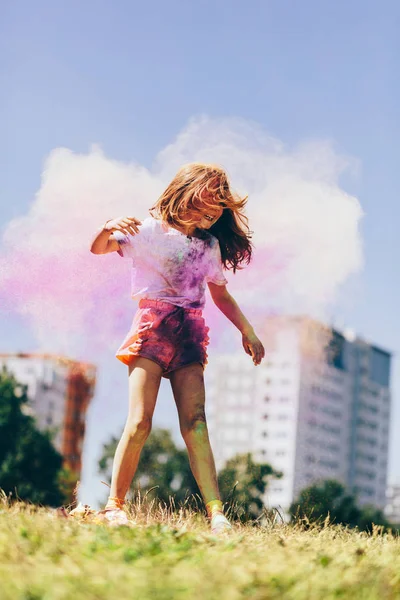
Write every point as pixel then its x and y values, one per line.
pixel 67 482
pixel 371 515
pixel 243 483
pixel 329 497
pixel 30 466
pixel 162 466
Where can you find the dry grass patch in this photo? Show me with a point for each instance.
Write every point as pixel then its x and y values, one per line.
pixel 172 555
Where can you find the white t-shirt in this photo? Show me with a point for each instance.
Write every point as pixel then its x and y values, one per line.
pixel 169 266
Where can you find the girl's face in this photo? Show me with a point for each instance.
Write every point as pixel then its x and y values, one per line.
pixel 204 218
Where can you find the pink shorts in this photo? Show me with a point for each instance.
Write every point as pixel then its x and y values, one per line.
pixel 171 336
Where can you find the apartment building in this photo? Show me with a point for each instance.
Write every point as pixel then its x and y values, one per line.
pixel 318 407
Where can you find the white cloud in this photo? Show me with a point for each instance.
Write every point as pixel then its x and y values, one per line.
pixel 305 231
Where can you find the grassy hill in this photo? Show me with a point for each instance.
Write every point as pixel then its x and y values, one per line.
pixel 44 556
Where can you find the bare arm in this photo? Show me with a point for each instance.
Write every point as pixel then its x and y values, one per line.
pixel 229 307
pixel 104 241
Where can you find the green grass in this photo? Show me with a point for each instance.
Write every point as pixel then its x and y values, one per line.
pixel 174 556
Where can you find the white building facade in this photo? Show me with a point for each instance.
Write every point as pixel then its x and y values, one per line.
pixel 392 510
pixel 318 407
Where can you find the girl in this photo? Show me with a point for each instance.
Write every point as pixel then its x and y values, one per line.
pixel 196 228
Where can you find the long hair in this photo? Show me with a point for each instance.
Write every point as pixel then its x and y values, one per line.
pixel 186 192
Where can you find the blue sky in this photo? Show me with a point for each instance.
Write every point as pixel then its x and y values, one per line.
pixel 129 76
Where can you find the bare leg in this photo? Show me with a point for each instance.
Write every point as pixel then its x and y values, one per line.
pixel 144 382
pixel 188 389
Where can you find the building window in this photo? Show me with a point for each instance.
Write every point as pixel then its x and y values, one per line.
pixel 229 435
pixel 364 490
pixel 242 435
pixel 380 367
pixel 335 351
pixel 244 399
pixel 328 463
pixel 326 427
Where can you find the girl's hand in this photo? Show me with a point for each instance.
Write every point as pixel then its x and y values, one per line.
pixel 125 224
pixel 253 346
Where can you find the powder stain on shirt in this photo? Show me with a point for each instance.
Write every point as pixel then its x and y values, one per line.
pixel 167 267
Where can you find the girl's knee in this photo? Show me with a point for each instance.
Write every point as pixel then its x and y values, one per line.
pixel 194 426
pixel 138 428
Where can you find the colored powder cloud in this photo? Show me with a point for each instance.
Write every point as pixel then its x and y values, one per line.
pixel 306 235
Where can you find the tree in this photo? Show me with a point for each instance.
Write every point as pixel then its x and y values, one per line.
pixel 162 466
pixel 243 483
pixel 371 515
pixel 30 466
pixel 329 497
